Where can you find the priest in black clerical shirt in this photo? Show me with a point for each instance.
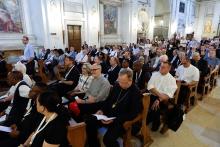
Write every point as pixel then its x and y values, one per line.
pixel 124 103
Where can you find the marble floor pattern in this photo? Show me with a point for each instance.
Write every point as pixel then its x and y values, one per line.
pixel 201 128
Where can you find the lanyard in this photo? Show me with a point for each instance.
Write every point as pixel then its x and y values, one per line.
pixel 28 112
pixel 112 68
pixel 84 83
pixel 118 100
pixel 39 129
pixel 138 76
pixel 82 58
pixel 69 72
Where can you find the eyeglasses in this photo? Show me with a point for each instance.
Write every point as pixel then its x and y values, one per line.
pixel 95 69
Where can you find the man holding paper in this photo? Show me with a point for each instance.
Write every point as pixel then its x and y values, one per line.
pixel 123 104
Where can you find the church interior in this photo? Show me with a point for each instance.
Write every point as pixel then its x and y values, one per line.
pixel 109 73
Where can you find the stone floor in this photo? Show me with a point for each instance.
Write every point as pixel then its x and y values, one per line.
pixel 201 127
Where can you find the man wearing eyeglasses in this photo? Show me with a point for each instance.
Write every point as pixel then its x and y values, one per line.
pixel 97 92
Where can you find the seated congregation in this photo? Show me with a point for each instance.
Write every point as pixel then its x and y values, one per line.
pixel 136 91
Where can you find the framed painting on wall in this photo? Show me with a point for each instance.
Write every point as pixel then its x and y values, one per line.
pixel 182 7
pixel 218 30
pixel 110 19
pixel 10 16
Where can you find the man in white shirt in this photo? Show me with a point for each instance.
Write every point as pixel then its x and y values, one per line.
pixel 82 57
pixel 188 75
pixel 162 85
pixel 28 57
pixel 136 50
pixel 114 52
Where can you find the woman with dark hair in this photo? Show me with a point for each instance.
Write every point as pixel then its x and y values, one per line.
pixel 52 130
pixel 22 130
pixel 60 66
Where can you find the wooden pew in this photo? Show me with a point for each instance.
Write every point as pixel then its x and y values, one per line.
pixel 145 132
pixel 176 94
pixel 41 72
pixel 213 80
pixel 205 86
pixel 77 135
pixel 192 93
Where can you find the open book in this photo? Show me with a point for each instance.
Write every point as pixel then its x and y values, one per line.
pixel 103 117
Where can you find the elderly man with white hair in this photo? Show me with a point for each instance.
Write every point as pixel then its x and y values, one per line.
pixel 163 58
pixel 22 68
pixel 201 64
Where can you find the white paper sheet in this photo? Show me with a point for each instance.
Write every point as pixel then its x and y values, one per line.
pixel 3 96
pixel 5 129
pixel 2 118
pixel 103 117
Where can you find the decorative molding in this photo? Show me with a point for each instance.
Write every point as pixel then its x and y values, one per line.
pixel 145 2
pixel 69 6
pixel 112 2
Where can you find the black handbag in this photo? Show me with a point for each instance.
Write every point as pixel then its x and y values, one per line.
pixel 175 118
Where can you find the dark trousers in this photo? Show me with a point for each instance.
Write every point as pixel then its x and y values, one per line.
pixel 60 88
pixel 4 105
pixel 115 130
pixel 7 141
pixel 86 109
pixel 154 115
pixel 184 91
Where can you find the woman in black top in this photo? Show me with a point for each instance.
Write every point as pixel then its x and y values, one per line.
pixel 22 130
pixel 52 130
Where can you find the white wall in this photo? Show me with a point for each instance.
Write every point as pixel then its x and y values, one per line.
pixel 55 20
pixel 187 18
pixel 208 10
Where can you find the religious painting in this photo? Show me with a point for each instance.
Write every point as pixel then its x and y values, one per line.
pixel 182 7
pixel 10 16
pixel 110 19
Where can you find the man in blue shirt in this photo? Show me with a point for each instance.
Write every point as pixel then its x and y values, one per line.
pixel 28 57
pixel 213 61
